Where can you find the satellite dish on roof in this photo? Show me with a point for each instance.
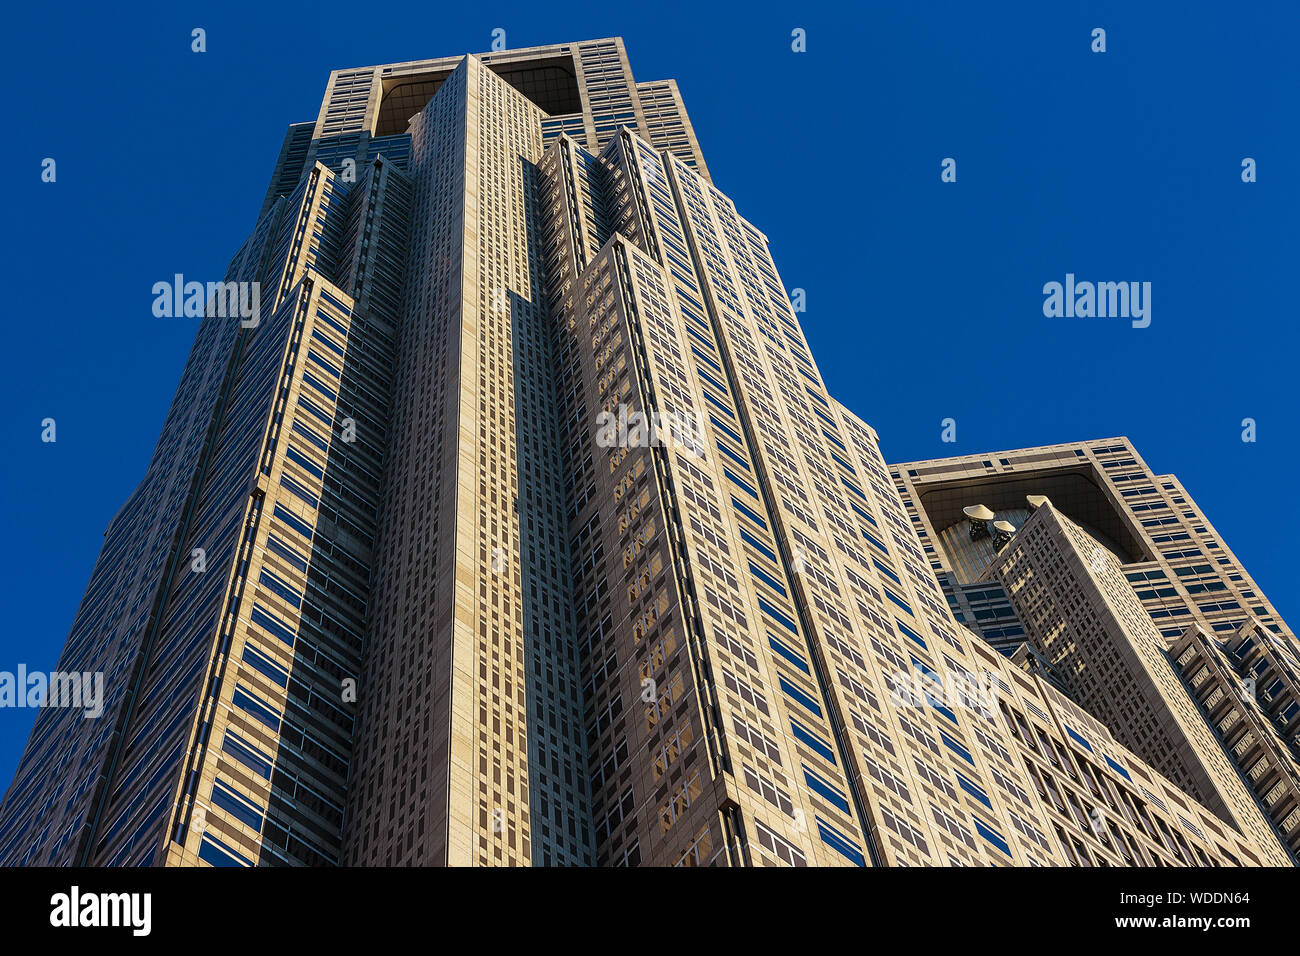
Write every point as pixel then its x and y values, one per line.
pixel 1006 526
pixel 1036 500
pixel 979 517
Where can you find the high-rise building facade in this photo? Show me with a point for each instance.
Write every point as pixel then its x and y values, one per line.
pixel 519 528
pixel 1118 583
pixel 1248 688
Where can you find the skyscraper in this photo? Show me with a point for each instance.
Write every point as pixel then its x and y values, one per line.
pixel 1117 581
pixel 230 602
pixel 519 527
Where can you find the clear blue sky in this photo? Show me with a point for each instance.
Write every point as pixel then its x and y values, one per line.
pixel 1117 166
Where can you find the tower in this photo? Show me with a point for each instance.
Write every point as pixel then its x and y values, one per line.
pixel 517 526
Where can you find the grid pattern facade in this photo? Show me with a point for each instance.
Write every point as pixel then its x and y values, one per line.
pixel 1248 688
pixel 1081 614
pixel 1140 572
pixel 471 669
pixel 235 745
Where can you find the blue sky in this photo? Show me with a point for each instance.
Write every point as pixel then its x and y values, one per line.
pixel 1122 166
